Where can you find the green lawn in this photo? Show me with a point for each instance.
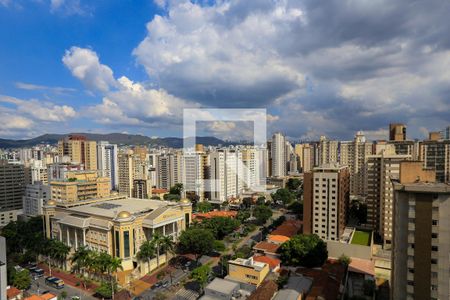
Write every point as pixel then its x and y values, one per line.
pixel 361 238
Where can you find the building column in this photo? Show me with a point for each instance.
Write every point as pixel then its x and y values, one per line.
pixel 68 236
pixel 164 230
pixel 76 239
pixel 173 229
pixel 84 237
pixel 60 233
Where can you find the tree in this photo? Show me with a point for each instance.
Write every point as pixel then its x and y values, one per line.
pixel 104 290
pixel 204 206
pixel 114 265
pixel 358 210
pixel 63 295
pixel 22 279
pixel 262 213
pixel 296 207
pixel 197 241
pixel 80 261
pixel 201 274
pixel 219 246
pixel 243 215
pixel 344 260
pixel 304 250
pixel 146 252
pixel 176 189
pixel 167 245
pixel 293 184
pixel 283 196
pixel 220 226
pixel 261 200
pixel 172 197
pixel 247 202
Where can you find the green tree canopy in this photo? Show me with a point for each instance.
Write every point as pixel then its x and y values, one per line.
pixel 198 241
pixel 204 206
pixel 293 184
pixel 200 274
pixel 283 196
pixel 219 246
pixel 176 189
pixel 22 279
pixel 304 250
pixel 296 207
pixel 262 213
pixel 220 226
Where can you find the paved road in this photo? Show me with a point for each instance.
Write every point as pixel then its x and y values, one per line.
pixel 38 286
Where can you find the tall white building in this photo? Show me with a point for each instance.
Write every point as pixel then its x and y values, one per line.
pixel 279 156
pixel 193 174
pixel 107 162
pixel 353 154
pixel 328 151
pixel 36 195
pixel 226 177
pixel 169 167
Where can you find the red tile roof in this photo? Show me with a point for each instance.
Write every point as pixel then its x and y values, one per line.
pixel 265 291
pixel 277 238
pixel 272 262
pixel 159 191
pixel 267 247
pixel 213 214
pixel 326 281
pixel 12 292
pixel 363 266
pixel 289 228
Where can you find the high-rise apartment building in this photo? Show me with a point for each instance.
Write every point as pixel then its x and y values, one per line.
pixel 36 195
pixel 194 165
pixel 328 151
pixel 169 168
pixel 226 175
pixel 107 162
pixel 435 154
pixel 308 158
pixel 79 150
pixel 326 199
pixel 380 169
pixel 12 188
pixel 80 185
pixel 142 188
pixel 421 242
pixel 353 154
pixel 126 171
pixel 279 158
pixel 397 132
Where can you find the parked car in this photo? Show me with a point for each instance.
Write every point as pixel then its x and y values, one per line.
pixel 165 284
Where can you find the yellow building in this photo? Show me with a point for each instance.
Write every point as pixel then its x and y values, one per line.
pixel 117 225
pixel 247 271
pixel 80 150
pixel 80 185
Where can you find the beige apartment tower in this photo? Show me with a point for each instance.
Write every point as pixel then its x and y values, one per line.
pixel 397 132
pixel 326 199
pixel 421 240
pixel 80 150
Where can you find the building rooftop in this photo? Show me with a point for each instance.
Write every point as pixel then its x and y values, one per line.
pixel 424 187
pixel 249 262
pixel 265 291
pixel 287 294
pixel 213 214
pixel 272 262
pixel 277 238
pixel 12 292
pixel 111 207
pixel 223 286
pixel 267 247
pixel 362 266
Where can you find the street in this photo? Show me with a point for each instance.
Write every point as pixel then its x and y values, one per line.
pixel 38 286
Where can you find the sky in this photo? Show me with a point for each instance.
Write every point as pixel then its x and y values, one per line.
pixel 319 67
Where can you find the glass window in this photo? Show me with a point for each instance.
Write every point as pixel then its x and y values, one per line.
pixel 126 243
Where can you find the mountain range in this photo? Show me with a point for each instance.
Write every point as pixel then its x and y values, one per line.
pixel 115 138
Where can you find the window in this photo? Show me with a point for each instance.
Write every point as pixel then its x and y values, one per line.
pixel 434 235
pixel 410 282
pixel 126 243
pixel 434 248
pixel 434 261
pixel 435 222
pixel 251 276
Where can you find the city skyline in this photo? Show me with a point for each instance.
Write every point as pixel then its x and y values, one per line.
pixel 78 66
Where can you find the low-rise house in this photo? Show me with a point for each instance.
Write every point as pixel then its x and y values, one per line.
pixel 221 289
pixel 13 293
pixel 287 294
pixel 267 248
pixel 214 214
pixel 274 263
pixel 247 271
pixel 265 291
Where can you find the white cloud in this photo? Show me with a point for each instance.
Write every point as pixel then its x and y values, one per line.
pixel 85 65
pixel 37 87
pixel 68 7
pixel 40 110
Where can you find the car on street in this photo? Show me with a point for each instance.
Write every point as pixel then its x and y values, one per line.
pixel 165 284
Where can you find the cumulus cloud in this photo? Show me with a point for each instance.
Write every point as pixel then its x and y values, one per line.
pixel 124 102
pixel 321 67
pixel 68 7
pixel 85 65
pixel 40 110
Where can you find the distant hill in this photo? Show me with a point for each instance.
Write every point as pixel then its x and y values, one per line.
pixel 115 138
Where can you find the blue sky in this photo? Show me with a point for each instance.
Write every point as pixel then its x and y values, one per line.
pixel 318 67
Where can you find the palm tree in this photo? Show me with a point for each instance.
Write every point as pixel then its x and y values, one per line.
pixel 81 260
pixel 167 245
pixel 114 265
pixel 157 241
pixel 146 252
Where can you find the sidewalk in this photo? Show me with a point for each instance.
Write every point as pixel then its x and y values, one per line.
pixel 69 279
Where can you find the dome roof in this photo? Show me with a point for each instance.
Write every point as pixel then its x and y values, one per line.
pixel 123 215
pixel 51 203
pixel 185 201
